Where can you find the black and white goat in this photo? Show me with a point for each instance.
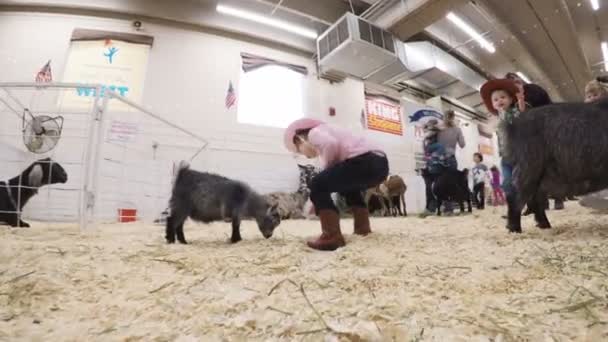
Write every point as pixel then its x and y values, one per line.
pixel 17 191
pixel 207 197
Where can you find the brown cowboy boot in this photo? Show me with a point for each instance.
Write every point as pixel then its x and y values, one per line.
pixel 331 238
pixel 361 217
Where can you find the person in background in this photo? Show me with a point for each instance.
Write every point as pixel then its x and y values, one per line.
pixel 534 96
pixel 497 194
pixel 480 172
pixel 351 165
pixel 436 160
pixel 596 90
pixel 505 100
pixel 449 136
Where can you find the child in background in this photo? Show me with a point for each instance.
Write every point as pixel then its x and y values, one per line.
pixel 596 90
pixel 505 99
pixel 497 194
pixel 351 165
pixel 480 172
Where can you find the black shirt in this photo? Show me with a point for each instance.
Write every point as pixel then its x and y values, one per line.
pixel 535 95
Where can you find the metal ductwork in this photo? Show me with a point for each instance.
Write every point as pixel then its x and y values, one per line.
pixel 355 47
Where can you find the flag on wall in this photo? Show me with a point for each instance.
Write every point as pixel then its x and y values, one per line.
pixel 45 75
pixel 230 96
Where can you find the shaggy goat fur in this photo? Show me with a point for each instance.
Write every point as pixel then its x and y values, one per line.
pixel 558 150
pixel 452 185
pixel 17 191
pixel 207 197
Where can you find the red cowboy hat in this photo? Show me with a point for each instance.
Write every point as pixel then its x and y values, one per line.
pixel 498 84
pixel 295 126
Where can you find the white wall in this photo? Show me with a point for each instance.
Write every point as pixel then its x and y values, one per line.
pixel 187 78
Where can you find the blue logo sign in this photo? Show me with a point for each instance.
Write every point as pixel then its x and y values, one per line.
pixel 110 54
pixel 123 90
pixel 424 113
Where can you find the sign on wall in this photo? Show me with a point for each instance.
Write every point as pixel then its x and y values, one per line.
pixel 115 64
pixel 122 132
pixel 420 117
pixel 383 114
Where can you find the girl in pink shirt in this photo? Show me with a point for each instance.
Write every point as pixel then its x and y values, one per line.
pixel 351 165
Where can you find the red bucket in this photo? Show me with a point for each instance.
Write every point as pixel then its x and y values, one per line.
pixel 127 215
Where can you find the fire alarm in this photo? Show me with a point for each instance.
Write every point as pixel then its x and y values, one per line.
pixel 332 111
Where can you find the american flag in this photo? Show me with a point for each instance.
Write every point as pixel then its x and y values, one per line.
pixel 230 96
pixel 45 75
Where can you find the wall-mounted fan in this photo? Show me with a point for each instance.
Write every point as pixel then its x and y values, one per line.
pixel 41 132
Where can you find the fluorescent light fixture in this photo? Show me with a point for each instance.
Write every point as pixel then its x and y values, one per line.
pixel 236 12
pixel 595 4
pixel 523 77
pixel 461 24
pixel 605 53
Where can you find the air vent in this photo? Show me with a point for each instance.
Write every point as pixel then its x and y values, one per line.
pixel 333 38
pixel 357 48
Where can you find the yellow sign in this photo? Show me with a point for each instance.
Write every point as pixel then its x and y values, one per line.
pixel 383 114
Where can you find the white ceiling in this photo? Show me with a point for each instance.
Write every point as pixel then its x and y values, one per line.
pixel 556 43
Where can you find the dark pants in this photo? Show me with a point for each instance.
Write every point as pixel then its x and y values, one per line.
pixel 348 178
pixel 479 195
pixel 431 201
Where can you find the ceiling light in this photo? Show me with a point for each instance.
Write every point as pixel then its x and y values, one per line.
pixel 523 77
pixel 236 12
pixel 461 24
pixel 595 4
pixel 605 53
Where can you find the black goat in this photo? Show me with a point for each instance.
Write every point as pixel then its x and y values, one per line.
pixel 558 150
pixel 452 185
pixel 207 197
pixel 15 193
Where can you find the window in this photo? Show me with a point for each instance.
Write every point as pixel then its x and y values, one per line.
pixel 271 96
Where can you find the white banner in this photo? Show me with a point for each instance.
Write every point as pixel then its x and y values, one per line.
pixel 117 65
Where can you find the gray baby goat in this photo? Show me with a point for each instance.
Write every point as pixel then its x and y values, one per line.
pixel 207 197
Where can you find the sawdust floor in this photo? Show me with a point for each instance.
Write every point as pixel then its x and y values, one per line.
pixel 434 279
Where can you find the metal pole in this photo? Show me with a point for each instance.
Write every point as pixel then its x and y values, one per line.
pixel 85 194
pixel 98 153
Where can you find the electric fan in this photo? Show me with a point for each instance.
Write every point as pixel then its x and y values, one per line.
pixel 41 132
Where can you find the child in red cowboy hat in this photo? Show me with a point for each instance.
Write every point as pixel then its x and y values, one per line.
pixel 504 98
pixel 351 165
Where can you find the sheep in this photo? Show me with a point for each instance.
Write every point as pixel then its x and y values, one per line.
pixel 17 191
pixel 291 204
pixel 208 197
pixel 381 192
pixel 452 185
pixel 558 150
pixel 396 193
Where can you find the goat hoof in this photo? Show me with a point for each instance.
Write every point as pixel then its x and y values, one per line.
pixel 513 229
pixel 235 240
pixel 544 225
pixel 170 241
pixel 183 242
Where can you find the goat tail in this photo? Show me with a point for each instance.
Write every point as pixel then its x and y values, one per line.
pixel 177 170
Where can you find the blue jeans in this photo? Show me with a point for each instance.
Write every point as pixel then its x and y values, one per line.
pixel 507 178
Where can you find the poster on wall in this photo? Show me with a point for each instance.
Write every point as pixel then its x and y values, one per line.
pixel 117 61
pixel 122 132
pixel 383 114
pixel 420 117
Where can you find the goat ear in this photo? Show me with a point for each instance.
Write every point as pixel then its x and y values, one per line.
pixel 35 176
pixel 273 208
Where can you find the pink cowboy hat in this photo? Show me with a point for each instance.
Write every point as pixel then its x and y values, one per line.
pixel 297 125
